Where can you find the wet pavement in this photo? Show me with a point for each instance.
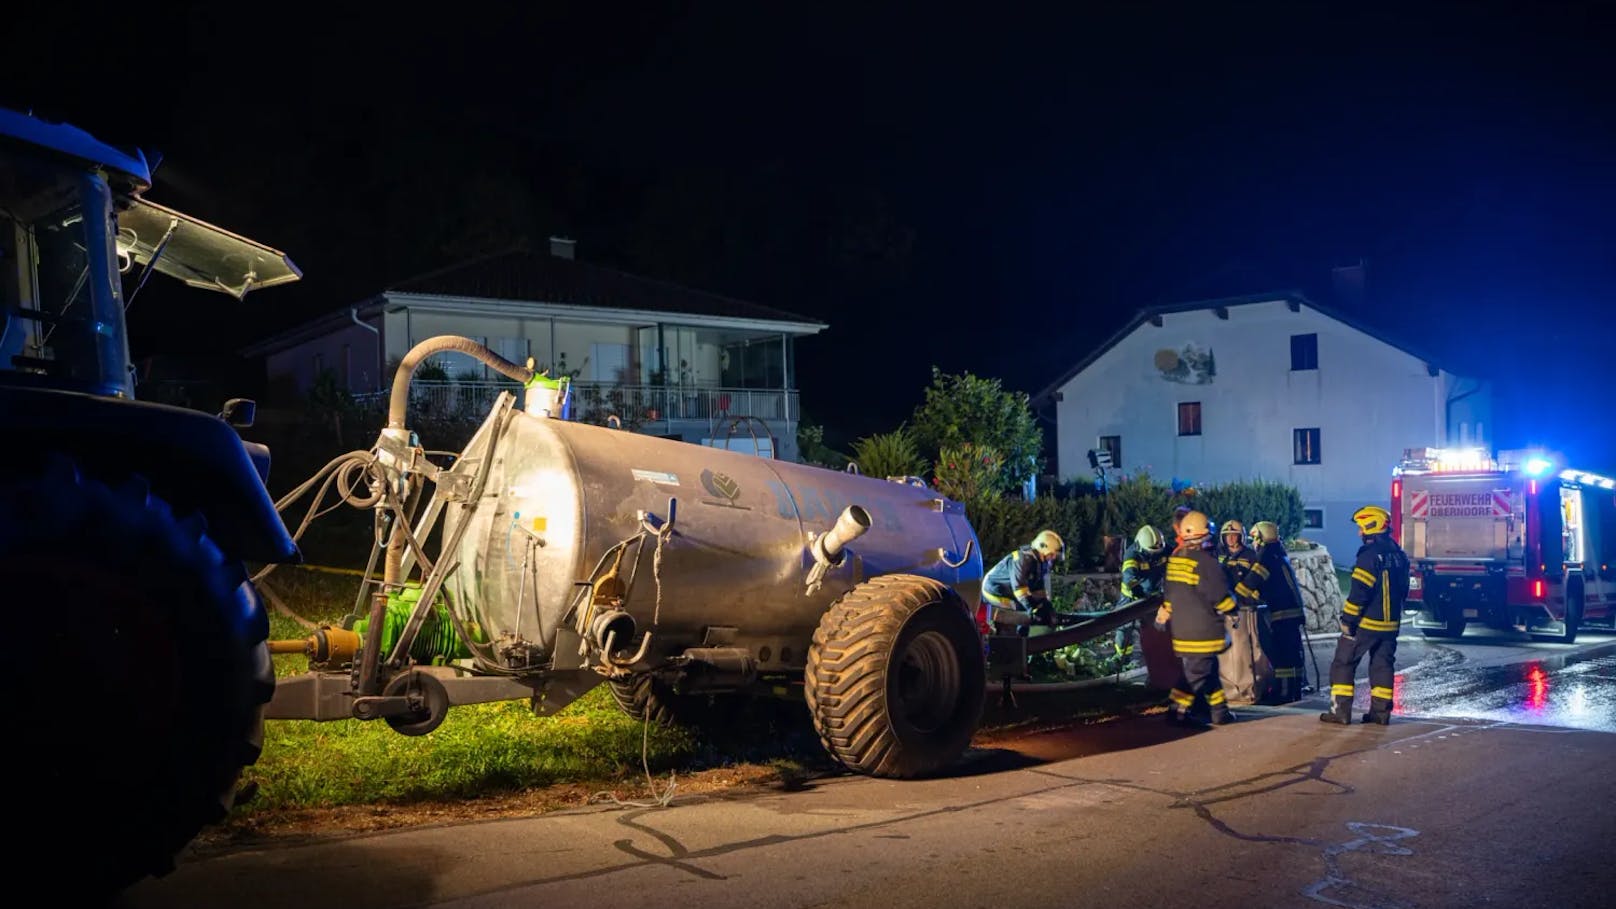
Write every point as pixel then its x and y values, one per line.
pixel 1499 677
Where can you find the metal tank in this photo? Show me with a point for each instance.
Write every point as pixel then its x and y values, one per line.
pixel 560 495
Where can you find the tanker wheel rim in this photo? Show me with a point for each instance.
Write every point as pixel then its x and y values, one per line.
pixel 926 683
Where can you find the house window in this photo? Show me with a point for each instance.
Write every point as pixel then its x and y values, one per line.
pixel 1312 519
pixel 1113 444
pixel 1306 442
pixel 1304 352
pixel 1189 418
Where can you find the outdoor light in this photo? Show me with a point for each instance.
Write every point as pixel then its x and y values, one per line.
pixel 1537 467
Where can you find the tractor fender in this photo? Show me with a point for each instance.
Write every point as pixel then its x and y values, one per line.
pixel 192 459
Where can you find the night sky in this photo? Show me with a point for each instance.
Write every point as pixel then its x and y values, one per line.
pixel 992 191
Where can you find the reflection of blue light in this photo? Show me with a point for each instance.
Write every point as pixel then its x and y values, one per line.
pixel 1537 467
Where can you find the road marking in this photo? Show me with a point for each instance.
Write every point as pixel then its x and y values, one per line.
pixel 1381 839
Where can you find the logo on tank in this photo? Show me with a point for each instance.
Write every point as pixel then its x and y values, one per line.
pixel 722 486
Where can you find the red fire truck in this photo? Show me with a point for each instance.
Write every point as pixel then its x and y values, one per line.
pixel 1518 541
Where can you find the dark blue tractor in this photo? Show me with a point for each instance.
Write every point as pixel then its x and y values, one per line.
pixel 125 526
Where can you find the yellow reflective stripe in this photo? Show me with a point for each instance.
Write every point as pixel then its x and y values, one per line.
pixel 1241 589
pixel 1377 625
pixel 1286 673
pixel 1129 563
pixel 995 600
pixel 1197 646
pixel 1384 694
pixel 1225 605
pixel 1260 571
pixel 1359 574
pixel 1216 697
pixel 1175 572
pixel 1181 698
pixel 1181 562
pixel 1281 614
pixel 1022 592
pixel 1386 595
pixel 1352 608
pixel 1341 691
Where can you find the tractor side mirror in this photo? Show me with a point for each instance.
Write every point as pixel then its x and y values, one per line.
pixel 239 412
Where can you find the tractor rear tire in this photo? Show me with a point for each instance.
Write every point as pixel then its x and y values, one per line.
pixel 145 675
pixel 646 696
pixel 896 677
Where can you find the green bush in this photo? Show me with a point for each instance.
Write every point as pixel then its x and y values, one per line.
pixel 1250 501
pixel 889 454
pixel 1002 525
pixel 968 472
pixel 968 408
pixel 1139 500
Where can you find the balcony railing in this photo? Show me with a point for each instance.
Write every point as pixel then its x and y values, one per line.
pixel 594 401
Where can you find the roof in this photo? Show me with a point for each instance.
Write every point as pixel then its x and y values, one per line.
pixel 542 277
pixel 1295 298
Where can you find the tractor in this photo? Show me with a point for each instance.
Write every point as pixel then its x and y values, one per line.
pixel 125 526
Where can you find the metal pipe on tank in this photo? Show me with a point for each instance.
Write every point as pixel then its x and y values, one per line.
pixel 851 524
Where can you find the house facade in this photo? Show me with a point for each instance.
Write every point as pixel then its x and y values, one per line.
pixel 663 359
pixel 1270 387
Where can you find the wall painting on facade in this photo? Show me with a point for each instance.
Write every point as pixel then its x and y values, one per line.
pixel 1190 366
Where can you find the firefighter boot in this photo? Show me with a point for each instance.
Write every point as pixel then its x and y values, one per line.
pixel 1340 714
pixel 1223 716
pixel 1378 717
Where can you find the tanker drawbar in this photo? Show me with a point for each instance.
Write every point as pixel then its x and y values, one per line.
pixel 570 554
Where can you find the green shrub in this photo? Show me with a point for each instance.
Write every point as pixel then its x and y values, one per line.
pixel 1250 501
pixel 889 454
pixel 1002 525
pixel 968 472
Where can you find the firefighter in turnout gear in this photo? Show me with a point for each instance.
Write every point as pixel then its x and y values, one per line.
pixel 1370 620
pixel 1018 582
pixel 1272 581
pixel 1197 600
pixel 1244 670
pixel 1144 564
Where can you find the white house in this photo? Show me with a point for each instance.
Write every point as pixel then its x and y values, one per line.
pixel 666 359
pixel 1270 387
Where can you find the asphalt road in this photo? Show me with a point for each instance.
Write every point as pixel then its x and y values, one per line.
pixel 1491 786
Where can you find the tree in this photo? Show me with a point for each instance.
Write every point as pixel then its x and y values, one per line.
pixel 961 409
pixel 889 454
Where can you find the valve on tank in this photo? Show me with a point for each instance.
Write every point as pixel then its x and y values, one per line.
pixel 828 548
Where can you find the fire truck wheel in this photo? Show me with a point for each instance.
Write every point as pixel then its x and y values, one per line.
pixel 645 696
pixel 1573 616
pixel 144 674
pixel 895 677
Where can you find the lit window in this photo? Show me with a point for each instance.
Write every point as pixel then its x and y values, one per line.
pixel 1304 352
pixel 1189 418
pixel 1306 442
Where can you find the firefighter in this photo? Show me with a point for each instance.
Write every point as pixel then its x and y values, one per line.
pixel 1244 670
pixel 1019 582
pixel 1370 620
pixel 1178 518
pixel 1272 582
pixel 1197 599
pixel 1144 564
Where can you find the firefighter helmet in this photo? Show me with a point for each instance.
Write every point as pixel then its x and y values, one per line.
pixel 1234 527
pixel 1148 538
pixel 1194 526
pixel 1372 519
pixel 1049 545
pixel 1264 532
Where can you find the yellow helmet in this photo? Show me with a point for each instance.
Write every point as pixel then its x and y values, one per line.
pixel 1234 527
pixel 1049 544
pixel 1265 532
pixel 1148 538
pixel 1194 527
pixel 1372 519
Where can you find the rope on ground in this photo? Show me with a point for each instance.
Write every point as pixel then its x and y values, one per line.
pixel 662 800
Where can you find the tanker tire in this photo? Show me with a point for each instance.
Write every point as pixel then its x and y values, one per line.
pixel 647 696
pixel 895 679
pixel 145 676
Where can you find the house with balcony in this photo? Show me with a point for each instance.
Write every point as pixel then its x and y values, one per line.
pixel 657 357
pixel 1269 386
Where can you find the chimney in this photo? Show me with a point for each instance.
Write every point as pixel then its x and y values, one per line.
pixel 1349 282
pixel 563 248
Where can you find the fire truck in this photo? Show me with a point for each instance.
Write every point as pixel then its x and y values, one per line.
pixel 1520 541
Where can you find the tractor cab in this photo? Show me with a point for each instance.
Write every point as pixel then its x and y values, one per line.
pixel 72 227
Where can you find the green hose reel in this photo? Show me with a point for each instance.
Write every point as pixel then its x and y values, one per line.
pixel 436 643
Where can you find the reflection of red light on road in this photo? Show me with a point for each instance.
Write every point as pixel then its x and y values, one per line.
pixel 1537 692
pixel 1397 694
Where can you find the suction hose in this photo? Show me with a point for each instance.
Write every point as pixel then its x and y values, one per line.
pixel 399 402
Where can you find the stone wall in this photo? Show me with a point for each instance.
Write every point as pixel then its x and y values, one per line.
pixel 1321 591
